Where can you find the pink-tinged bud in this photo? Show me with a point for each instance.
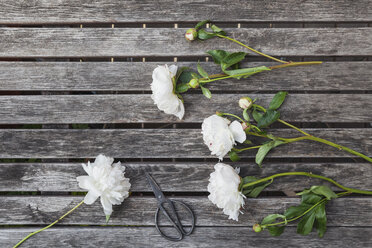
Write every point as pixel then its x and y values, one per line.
pixel 191 34
pixel 245 102
pixel 257 228
pixel 245 126
pixel 194 83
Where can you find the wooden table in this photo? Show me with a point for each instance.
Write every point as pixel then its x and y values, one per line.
pixel 75 82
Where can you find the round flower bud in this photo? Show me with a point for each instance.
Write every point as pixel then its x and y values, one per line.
pixel 245 126
pixel 194 83
pixel 191 34
pixel 257 228
pixel 245 102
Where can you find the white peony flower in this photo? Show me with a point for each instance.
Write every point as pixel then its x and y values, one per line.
pixel 163 92
pixel 105 180
pixel 219 136
pixel 224 190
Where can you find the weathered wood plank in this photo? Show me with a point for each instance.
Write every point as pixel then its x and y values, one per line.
pixel 165 143
pixel 169 11
pixel 129 42
pixel 336 237
pixel 17 210
pixel 114 108
pixel 123 76
pixel 61 177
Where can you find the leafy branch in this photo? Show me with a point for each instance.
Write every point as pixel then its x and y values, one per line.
pixel 256 119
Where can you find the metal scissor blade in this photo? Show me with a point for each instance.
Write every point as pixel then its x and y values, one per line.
pixel 155 187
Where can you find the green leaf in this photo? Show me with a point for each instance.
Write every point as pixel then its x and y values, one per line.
pixel 218 55
pixel 202 23
pixel 234 156
pixel 185 77
pixel 277 100
pixel 201 71
pixel 320 190
pixel 246 115
pixel 232 59
pixel 217 30
pixel 272 218
pixel 204 35
pixel 257 189
pixel 295 211
pixel 310 198
pixel 268 118
pixel 276 230
pixel 248 142
pixel 107 218
pixel 264 149
pixel 180 71
pixel 238 73
pixel 206 92
pixel 182 88
pixel 305 226
pixel 321 220
pixel 256 115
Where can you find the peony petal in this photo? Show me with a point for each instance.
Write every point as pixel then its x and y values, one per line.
pixel 90 198
pixel 173 70
pixel 181 111
pixel 107 206
pixel 237 131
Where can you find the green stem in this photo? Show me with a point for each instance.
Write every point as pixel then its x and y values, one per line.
pixel 366 192
pixel 55 222
pixel 295 64
pixel 247 148
pixel 304 213
pixel 320 140
pixel 249 48
pixel 237 117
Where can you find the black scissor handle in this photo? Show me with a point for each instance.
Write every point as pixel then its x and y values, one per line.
pixel 177 222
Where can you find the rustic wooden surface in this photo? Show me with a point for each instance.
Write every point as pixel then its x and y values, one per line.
pixel 170 11
pixel 61 177
pixel 56 72
pixel 113 108
pixel 132 42
pixel 165 143
pixel 103 76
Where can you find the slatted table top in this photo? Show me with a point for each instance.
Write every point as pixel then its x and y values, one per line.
pixel 75 82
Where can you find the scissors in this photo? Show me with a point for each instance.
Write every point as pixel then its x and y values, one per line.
pixel 175 221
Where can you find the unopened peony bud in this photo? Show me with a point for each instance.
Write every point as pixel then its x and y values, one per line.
pixel 194 83
pixel 245 102
pixel 257 228
pixel 191 34
pixel 245 126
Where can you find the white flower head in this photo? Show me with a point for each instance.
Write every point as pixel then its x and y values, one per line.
pixel 105 180
pixel 224 190
pixel 220 135
pixel 163 92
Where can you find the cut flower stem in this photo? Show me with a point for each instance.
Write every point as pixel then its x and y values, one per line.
pixel 52 224
pixel 307 174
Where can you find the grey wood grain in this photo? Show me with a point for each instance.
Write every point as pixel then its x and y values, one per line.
pixel 352 211
pixel 336 237
pixel 138 108
pixel 61 177
pixel 165 143
pixel 129 42
pixel 123 76
pixel 171 11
